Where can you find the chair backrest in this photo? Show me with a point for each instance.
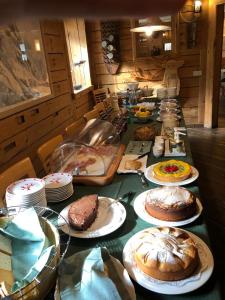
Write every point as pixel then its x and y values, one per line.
pixel 45 151
pixel 92 114
pixel 100 94
pixel 74 128
pixel 20 170
pixel 100 107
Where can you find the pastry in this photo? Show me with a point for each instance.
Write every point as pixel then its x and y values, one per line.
pixel 166 253
pixel 144 133
pixel 170 203
pixel 83 212
pixel 133 165
pixel 172 170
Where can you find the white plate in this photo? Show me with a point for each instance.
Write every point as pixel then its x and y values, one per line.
pixel 139 207
pixel 57 180
pixel 122 272
pixel 26 187
pixel 108 220
pixel 59 199
pixel 149 175
pixel 200 276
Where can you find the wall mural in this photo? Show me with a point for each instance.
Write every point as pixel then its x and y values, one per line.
pixel 23 72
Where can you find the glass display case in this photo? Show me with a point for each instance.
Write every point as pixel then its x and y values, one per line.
pixel 91 153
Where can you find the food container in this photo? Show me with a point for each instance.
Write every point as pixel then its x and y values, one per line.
pixel 39 288
pixel 90 153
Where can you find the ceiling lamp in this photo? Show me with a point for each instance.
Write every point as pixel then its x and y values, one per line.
pixel 150 25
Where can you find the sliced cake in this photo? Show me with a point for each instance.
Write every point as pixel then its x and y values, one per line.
pixel 83 212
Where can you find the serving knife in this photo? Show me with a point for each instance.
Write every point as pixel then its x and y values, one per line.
pixel 142 155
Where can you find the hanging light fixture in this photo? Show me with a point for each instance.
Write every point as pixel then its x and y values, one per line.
pixel 150 25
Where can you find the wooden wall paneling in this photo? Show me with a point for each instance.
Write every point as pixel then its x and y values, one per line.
pixel 59 102
pixel 52 27
pixel 213 62
pixel 40 129
pixel 189 92
pixel 189 82
pixel 53 44
pixel 61 87
pixel 56 61
pixel 59 75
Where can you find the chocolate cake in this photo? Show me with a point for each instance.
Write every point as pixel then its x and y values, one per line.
pixel 83 212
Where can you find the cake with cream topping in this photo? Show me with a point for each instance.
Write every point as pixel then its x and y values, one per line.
pixel 166 253
pixel 170 203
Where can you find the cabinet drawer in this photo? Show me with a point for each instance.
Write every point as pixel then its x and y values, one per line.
pixel 12 146
pixel 37 113
pixel 12 125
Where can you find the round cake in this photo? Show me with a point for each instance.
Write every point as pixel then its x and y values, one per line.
pixel 170 203
pixel 166 253
pixel 172 170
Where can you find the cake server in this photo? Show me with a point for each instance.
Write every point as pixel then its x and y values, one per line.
pixel 142 155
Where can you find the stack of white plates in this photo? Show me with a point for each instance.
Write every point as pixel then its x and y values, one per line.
pixel 58 186
pixel 26 193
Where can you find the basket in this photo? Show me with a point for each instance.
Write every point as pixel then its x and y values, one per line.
pixel 40 287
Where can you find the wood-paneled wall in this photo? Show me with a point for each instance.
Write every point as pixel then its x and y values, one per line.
pixel 24 131
pixel 191 94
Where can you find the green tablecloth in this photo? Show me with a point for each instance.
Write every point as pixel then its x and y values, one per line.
pixel 115 242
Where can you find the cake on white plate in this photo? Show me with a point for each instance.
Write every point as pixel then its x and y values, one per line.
pixel 170 203
pixel 166 253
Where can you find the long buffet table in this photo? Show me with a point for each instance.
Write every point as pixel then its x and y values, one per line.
pixel 116 241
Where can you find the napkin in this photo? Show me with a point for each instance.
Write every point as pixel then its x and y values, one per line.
pixel 30 247
pixel 121 169
pixel 91 274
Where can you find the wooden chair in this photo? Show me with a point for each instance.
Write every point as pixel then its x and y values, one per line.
pixel 92 114
pixel 21 169
pixel 45 151
pixel 100 107
pixel 100 94
pixel 74 128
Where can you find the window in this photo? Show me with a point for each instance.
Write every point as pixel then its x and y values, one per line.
pixel 78 54
pixel 23 72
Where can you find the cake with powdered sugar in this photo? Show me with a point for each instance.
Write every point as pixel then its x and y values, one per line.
pixel 170 203
pixel 166 253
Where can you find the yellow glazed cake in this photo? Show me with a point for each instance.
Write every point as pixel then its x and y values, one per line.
pixel 172 170
pixel 166 253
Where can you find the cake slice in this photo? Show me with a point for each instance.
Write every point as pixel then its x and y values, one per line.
pixel 83 212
